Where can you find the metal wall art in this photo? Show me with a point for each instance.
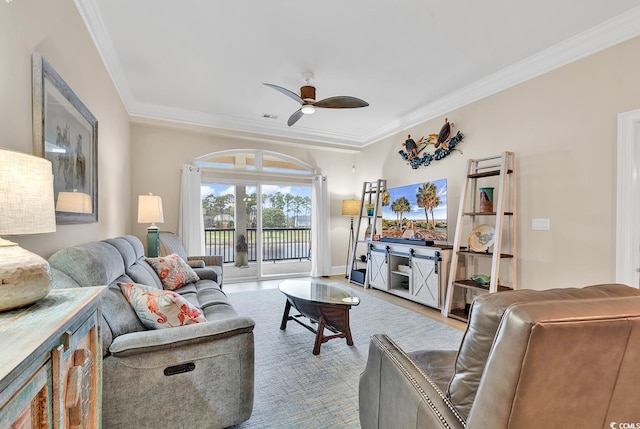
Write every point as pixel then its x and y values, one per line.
pixel 442 142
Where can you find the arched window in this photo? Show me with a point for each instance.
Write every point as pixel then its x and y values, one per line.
pixel 258 161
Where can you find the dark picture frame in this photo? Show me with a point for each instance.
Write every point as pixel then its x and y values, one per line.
pixel 66 133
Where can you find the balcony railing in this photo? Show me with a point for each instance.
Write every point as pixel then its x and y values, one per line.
pixel 278 244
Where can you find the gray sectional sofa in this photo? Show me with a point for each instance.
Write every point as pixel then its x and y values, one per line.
pixel 199 375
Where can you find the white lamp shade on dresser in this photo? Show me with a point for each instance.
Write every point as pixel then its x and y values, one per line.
pixel 26 207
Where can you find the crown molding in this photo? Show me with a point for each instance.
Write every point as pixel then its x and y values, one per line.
pixel 609 33
pixel 242 134
pixel 90 14
pixel 250 126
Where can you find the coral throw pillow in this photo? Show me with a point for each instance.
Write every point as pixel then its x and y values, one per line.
pixel 159 309
pixel 173 271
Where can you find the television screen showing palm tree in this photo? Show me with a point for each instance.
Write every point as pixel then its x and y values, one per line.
pixel 416 212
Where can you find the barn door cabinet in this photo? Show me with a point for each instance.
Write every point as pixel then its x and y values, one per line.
pixel 417 273
pixel 51 362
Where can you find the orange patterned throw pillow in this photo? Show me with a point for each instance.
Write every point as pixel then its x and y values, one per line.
pixel 173 271
pixel 159 309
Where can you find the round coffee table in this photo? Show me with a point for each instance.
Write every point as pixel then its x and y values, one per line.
pixel 323 302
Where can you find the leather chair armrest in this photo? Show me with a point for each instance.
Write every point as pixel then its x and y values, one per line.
pixel 395 392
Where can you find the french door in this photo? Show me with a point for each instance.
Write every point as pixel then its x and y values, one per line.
pixel 262 230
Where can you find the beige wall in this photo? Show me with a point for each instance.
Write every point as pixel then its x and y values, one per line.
pixel 55 29
pixel 160 149
pixel 563 128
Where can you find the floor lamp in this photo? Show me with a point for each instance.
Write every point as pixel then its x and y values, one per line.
pixel 350 208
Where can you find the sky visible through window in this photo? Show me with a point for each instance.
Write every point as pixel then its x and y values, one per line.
pixel 217 190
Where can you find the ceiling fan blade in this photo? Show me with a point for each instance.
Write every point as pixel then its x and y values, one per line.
pixel 294 118
pixel 341 102
pixel 286 92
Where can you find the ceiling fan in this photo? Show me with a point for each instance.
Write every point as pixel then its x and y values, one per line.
pixel 307 99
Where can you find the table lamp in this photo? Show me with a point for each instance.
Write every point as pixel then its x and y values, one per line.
pixel 350 208
pixel 150 211
pixel 74 202
pixel 26 207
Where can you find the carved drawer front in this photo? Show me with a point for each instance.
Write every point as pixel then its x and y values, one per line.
pixel 76 374
pixel 51 362
pixel 30 407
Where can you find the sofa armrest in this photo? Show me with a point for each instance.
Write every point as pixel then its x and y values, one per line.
pixel 395 392
pixel 207 273
pixel 208 260
pixel 162 339
pixel 195 263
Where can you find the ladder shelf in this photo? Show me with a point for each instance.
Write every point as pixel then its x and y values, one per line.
pixel 498 259
pixel 371 195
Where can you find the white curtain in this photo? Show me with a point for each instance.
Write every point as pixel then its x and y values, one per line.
pixel 190 221
pixel 320 228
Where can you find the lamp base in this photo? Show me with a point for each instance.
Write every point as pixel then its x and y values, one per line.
pixel 153 241
pixel 24 276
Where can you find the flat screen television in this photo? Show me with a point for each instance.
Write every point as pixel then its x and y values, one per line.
pixel 416 212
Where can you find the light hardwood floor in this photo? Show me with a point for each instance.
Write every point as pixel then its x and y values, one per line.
pixel 429 312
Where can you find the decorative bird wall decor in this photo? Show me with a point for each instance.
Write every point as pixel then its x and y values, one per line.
pixel 442 143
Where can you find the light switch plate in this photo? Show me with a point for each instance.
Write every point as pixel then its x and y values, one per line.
pixel 540 224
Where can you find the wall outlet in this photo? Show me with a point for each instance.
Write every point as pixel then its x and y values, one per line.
pixel 540 224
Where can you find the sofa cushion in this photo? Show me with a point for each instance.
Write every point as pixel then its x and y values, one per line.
pixel 160 308
pixel 173 271
pixel 97 264
pixel 135 265
pixel 484 320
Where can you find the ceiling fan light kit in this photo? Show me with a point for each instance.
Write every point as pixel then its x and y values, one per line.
pixel 308 109
pixel 308 103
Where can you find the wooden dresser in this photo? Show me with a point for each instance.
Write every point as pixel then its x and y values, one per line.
pixel 51 362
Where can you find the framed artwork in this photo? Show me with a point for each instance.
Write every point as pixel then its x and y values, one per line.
pixel 66 133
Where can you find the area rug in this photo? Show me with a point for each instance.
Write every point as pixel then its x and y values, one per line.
pixel 295 389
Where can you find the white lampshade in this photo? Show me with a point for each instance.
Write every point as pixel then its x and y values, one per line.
pixel 26 207
pixel 350 207
pixel 74 202
pixel 150 209
pixel 26 194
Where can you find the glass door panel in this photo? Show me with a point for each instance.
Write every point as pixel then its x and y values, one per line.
pixel 286 230
pixel 258 237
pixel 230 219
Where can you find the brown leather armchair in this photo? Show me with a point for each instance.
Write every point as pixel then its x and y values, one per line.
pixel 529 359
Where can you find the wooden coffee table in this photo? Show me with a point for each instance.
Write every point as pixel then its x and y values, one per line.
pixel 322 302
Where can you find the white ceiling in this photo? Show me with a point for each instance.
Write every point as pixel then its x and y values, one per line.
pixel 204 62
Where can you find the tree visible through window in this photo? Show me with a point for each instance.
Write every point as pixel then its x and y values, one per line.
pixel 282 206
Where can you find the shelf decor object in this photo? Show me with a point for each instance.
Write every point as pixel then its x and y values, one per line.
pixel 26 207
pixel 481 238
pixel 486 200
pixel 66 133
pixel 150 211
